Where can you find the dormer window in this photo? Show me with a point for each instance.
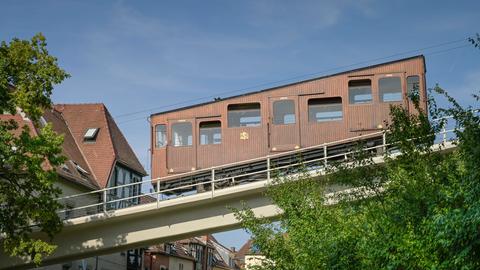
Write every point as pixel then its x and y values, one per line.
pixel 65 168
pixel 90 135
pixel 84 173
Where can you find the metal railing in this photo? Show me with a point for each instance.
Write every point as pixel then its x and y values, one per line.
pixel 106 200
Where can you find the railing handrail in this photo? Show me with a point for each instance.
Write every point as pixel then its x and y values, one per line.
pixel 263 158
pixel 269 169
pixel 286 153
pixel 213 181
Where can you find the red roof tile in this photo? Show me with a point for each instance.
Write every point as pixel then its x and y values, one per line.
pixel 88 163
pixel 242 252
pixel 123 151
pixel 109 146
pixel 72 152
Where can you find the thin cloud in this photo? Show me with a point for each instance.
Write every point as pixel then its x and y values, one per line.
pixel 132 42
pixel 306 15
pixel 471 83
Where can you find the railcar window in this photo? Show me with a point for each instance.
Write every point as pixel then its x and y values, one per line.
pixel 325 109
pixel 413 85
pixel 390 89
pixel 244 115
pixel 182 134
pixel 161 131
pixel 360 91
pixel 284 112
pixel 210 132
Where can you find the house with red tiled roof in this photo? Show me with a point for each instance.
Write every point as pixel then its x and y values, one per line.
pixel 248 256
pixel 97 156
pixel 195 253
pixel 168 256
pixel 100 141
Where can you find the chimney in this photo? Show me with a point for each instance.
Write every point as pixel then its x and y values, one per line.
pixel 232 249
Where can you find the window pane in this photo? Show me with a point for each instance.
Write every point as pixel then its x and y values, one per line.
pixel 244 115
pixel 161 131
pixel 359 91
pixel 182 134
pixel 390 89
pixel 413 85
pixel 210 132
pixel 284 112
pixel 325 109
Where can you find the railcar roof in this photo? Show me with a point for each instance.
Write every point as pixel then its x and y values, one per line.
pixel 294 83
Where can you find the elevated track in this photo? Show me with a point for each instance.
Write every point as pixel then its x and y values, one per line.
pixel 193 203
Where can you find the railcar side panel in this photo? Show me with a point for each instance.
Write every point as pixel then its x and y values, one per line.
pixel 283 118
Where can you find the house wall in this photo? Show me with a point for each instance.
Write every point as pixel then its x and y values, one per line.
pixel 155 261
pixel 253 260
pixel 121 175
pixel 235 146
pixel 105 262
pixel 68 189
pixel 175 263
pixel 225 253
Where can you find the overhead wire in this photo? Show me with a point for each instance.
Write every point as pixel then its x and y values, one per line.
pixel 298 77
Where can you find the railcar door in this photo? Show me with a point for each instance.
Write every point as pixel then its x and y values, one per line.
pixel 391 91
pixel 181 150
pixel 414 85
pixel 284 128
pixel 362 103
pixel 322 119
pixel 209 149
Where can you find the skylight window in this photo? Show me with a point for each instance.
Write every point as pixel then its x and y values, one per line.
pixel 65 167
pixel 91 134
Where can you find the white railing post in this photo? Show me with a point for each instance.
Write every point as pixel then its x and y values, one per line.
pixel 444 131
pixel 325 156
pixel 213 182
pixel 158 193
pixel 105 201
pixel 268 169
pixel 384 142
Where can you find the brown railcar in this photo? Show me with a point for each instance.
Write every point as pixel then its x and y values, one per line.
pixel 288 117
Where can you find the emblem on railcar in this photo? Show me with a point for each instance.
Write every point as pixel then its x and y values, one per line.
pixel 243 135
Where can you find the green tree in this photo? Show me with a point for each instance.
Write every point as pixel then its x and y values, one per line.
pixel 475 40
pixel 27 193
pixel 417 210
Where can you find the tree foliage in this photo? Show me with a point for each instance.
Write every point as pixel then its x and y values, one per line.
pixel 27 192
pixel 417 210
pixel 475 40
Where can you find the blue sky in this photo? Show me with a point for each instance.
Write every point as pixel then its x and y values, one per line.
pixel 138 55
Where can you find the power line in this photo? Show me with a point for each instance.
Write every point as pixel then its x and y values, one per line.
pixel 298 77
pixel 447 50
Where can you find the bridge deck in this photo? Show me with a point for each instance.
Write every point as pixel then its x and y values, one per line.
pixel 225 176
pixel 163 220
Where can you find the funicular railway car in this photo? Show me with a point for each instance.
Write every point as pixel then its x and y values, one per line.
pixel 232 133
